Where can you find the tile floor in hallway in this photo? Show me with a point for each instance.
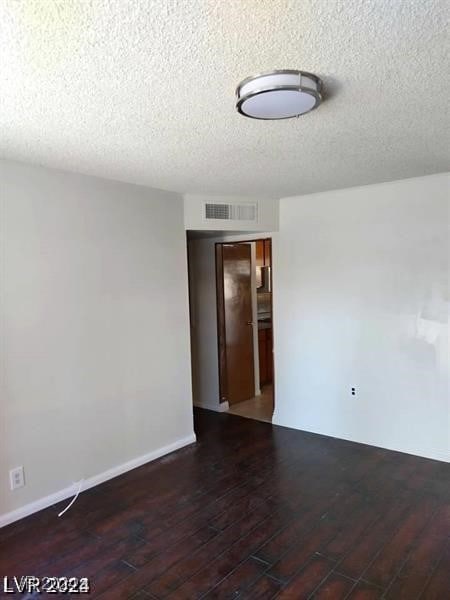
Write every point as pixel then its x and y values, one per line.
pixel 259 408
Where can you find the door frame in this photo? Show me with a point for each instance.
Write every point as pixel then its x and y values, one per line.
pixel 221 336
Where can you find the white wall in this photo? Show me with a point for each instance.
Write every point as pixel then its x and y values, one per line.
pixel 205 366
pixel 95 360
pixel 194 205
pixel 361 299
pixel 94 322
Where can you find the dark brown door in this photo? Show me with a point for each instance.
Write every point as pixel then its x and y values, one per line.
pixel 236 341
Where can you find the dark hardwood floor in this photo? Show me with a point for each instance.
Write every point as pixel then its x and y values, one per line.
pixel 252 511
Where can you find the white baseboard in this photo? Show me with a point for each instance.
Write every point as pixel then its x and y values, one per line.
pixel 435 454
pixel 68 492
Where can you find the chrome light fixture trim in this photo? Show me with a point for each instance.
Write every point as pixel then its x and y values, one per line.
pixel 305 86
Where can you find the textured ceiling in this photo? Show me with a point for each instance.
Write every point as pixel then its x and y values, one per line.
pixel 143 91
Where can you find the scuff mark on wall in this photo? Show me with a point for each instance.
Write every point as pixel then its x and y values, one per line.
pixel 432 324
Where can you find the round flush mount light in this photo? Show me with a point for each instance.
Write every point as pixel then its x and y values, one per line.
pixel 278 94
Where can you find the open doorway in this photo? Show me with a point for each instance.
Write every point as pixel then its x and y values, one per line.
pixel 244 326
pixel 230 299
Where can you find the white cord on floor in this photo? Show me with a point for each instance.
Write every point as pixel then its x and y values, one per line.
pixel 73 499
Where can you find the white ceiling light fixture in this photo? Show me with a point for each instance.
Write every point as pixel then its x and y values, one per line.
pixel 281 94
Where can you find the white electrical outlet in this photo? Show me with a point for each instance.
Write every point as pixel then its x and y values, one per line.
pixel 16 478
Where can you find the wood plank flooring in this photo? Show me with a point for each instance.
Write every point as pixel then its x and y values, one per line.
pixel 252 511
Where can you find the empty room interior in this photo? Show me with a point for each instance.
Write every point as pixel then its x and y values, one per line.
pixel 224 299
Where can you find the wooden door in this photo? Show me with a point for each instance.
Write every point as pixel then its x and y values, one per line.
pixel 235 323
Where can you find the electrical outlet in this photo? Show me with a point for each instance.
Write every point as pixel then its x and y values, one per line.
pixel 16 478
pixel 353 391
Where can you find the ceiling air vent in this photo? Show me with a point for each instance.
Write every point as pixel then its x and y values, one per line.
pixel 231 212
